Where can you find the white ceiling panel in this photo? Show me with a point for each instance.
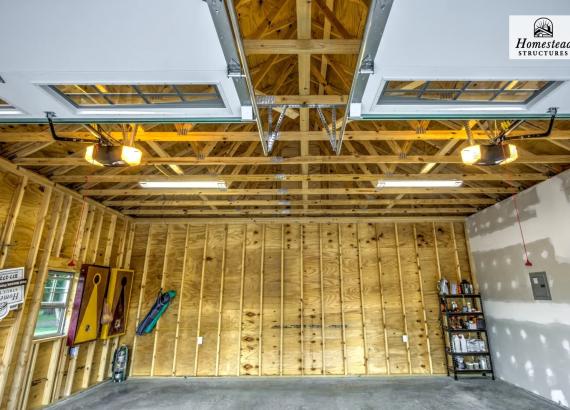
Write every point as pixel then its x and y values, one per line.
pixel 450 40
pixel 111 42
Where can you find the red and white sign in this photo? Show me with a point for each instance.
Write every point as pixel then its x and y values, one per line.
pixel 12 290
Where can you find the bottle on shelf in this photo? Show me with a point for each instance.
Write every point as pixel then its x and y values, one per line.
pixel 443 287
pixel 454 306
pixel 466 287
pixel 455 344
pixel 462 343
pixel 453 288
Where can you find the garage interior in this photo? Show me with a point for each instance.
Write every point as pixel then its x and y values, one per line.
pixel 327 195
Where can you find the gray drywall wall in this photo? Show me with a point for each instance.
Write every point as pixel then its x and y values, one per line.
pixel 530 339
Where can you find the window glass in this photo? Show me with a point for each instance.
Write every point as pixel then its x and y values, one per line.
pixel 462 92
pixel 51 317
pixel 140 95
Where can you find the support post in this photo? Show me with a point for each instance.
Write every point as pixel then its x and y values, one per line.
pixel 11 340
pixel 33 309
pixel 221 304
pixel 11 219
pixel 242 277
pixel 340 272
pixel 200 303
pixel 403 299
pixel 181 300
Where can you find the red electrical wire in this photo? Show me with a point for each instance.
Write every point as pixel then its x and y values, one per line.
pixel 527 262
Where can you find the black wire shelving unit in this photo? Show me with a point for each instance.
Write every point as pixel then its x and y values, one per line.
pixel 448 317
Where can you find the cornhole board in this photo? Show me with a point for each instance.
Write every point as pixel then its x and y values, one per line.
pixel 88 304
pixel 118 298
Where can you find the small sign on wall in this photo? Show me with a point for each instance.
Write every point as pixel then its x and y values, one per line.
pixel 12 290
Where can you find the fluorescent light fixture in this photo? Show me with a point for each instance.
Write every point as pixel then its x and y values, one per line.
pixel 405 183
pixel 184 184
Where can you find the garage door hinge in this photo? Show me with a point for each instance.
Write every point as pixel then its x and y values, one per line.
pixel 367 65
pixel 234 70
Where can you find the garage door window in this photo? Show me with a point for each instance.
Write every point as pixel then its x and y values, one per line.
pixel 486 92
pixel 141 95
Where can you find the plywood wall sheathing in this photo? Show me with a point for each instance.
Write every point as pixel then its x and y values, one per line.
pixel 294 299
pixel 279 299
pixel 45 227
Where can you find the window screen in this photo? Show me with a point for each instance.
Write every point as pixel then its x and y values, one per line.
pixel 141 95
pixel 51 317
pixel 496 92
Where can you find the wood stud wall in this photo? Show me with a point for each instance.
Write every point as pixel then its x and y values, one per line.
pixel 43 227
pixel 294 299
pixel 280 299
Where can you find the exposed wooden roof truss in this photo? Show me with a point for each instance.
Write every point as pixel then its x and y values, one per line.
pixel 299 52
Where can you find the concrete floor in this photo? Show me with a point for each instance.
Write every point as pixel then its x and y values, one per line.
pixel 401 393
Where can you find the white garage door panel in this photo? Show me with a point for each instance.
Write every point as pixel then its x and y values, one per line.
pixel 110 42
pixel 461 40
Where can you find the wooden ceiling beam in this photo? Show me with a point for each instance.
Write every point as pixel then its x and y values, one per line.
pixel 278 25
pixel 310 99
pixel 302 220
pixel 295 191
pixel 247 212
pixel 267 22
pixel 158 150
pixel 301 46
pixel 304 20
pixel 299 160
pixel 326 35
pixel 286 203
pixel 352 150
pixel 333 20
pixel 155 146
pixel 249 136
pixel 32 149
pixel 298 177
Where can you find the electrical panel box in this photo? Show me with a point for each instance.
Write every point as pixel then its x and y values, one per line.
pixel 539 285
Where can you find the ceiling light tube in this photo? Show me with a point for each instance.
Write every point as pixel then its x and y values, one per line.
pixel 433 183
pixel 184 184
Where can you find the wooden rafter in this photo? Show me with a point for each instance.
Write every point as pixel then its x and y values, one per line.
pixel 299 52
pixel 281 203
pixel 233 177
pixel 285 135
pixel 306 159
pixel 288 192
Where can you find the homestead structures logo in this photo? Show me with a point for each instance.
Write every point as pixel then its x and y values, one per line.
pixel 534 37
pixel 12 287
pixel 543 28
